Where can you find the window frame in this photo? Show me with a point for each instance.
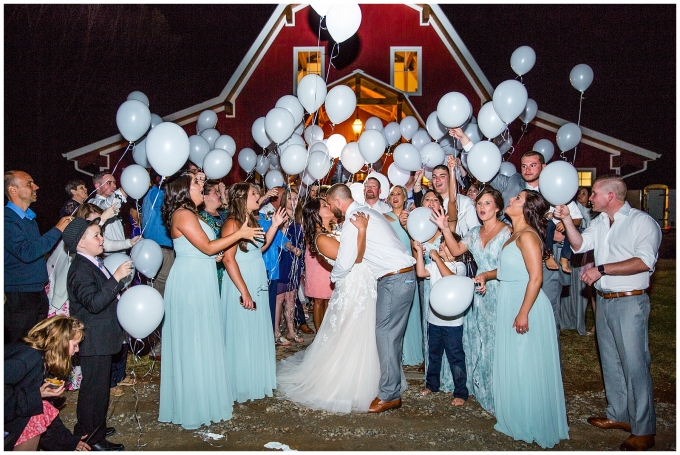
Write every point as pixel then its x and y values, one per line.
pixel 593 176
pixel 296 53
pixel 419 56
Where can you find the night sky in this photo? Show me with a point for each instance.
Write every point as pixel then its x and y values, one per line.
pixel 69 67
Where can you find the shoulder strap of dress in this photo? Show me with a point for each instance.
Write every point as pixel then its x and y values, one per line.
pixel 530 230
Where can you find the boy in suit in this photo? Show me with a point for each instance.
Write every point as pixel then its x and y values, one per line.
pixel 93 298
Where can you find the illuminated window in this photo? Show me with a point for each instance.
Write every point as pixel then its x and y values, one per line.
pixel 307 60
pixel 586 177
pixel 406 74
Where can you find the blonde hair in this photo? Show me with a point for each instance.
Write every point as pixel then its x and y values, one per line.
pixel 613 183
pixel 52 336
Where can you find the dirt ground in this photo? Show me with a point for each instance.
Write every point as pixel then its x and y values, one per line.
pixel 423 423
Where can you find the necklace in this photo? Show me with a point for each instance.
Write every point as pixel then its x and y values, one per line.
pixel 488 231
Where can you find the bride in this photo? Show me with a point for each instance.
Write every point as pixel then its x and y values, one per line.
pixel 340 370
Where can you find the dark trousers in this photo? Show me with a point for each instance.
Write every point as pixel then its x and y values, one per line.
pixel 300 317
pixel 118 364
pixel 23 310
pixel 272 301
pixel 93 397
pixel 450 340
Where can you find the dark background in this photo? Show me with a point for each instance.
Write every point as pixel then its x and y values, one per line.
pixel 69 67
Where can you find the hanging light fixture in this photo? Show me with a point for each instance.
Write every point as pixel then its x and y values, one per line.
pixel 357 125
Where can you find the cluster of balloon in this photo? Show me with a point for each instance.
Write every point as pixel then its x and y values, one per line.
pixel 452 295
pixel 558 182
pixel 342 19
pixel 419 225
pixel 140 310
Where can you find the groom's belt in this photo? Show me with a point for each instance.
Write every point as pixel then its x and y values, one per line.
pixel 407 269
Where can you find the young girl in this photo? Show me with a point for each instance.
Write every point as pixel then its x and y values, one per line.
pixel 444 334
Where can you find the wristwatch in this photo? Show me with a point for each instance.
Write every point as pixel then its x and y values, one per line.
pixel 600 268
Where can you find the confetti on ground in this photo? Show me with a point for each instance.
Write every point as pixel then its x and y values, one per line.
pixel 278 445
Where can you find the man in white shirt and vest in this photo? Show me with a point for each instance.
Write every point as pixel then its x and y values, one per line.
pixel 626 244
pixel 391 262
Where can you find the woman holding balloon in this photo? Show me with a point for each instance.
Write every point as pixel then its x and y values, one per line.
pixel 485 243
pixel 195 388
pixel 250 352
pixel 527 379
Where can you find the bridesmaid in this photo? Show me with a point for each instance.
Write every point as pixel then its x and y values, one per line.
pixel 213 214
pixel 194 380
pixel 485 243
pixel 527 379
pixel 250 351
pixel 413 337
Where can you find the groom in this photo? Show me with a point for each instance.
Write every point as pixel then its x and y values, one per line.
pixel 388 260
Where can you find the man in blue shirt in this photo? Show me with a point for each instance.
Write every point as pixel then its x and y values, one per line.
pixel 26 302
pixel 154 228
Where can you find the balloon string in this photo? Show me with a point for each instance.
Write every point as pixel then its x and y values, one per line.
pixel 88 197
pixel 130 146
pixel 152 205
pixel 524 128
pixel 580 107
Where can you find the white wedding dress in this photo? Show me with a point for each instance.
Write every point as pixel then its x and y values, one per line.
pixel 340 370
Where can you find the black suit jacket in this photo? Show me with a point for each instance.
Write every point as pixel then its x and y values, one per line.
pixel 93 300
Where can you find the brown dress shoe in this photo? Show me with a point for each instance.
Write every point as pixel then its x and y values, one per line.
pixel 378 405
pixel 606 424
pixel 306 329
pixel 635 442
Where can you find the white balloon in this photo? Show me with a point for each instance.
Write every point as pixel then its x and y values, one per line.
pixel 336 142
pixel 319 164
pixel 217 164
pixel 522 60
pixel 341 102
pixel 294 159
pixel 343 21
pixel 206 119
pixel 435 127
pixel 372 145
pixel 568 136
pixel 454 109
pixel 488 121
pixel 530 111
pixel 374 123
pixel 581 77
pixel 451 295
pixel 509 100
pixel 545 148
pixel 321 8
pixel 351 158
pixel 262 165
pixel 558 182
pixel 311 92
pixel 279 124
pixel 147 257
pixel 113 261
pixel 155 120
pixel 299 130
pixel 392 133
pixel 508 169
pixel 274 161
pixel 199 148
pixel 407 157
pixel 421 139
pixel 139 154
pixel 227 143
pixel 247 159
pixel 408 127
pixel 484 161
pixel 133 119
pixel 293 139
pixel 292 105
pixel 210 135
pixel 432 155
pixel 397 175
pixel 167 148
pixel 259 133
pixel 357 189
pixel 313 133
pixel 273 179
pixel 135 181
pixel 307 179
pixel 139 96
pixel 472 132
pixel 318 146
pixel 419 225
pixel 140 310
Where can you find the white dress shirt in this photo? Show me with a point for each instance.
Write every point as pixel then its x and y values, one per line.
pixel 384 251
pixel 380 206
pixel 467 215
pixel 634 234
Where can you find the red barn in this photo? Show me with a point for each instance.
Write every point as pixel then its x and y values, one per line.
pixel 401 61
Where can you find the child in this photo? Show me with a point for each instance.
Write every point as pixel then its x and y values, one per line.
pixel 565 254
pixel 444 334
pixel 93 298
